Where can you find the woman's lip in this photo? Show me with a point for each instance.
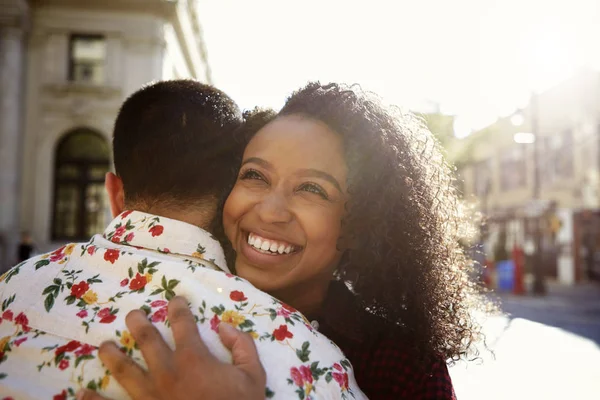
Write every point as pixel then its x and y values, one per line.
pixel 258 258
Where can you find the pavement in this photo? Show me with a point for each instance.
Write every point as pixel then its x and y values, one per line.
pixel 540 348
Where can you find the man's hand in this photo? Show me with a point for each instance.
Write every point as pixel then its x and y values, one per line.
pixel 189 372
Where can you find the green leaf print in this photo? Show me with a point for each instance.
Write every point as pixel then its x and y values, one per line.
pixel 49 302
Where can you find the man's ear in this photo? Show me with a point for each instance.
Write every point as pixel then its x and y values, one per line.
pixel 116 195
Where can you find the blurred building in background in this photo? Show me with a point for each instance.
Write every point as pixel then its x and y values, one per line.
pixel 497 166
pixel 66 66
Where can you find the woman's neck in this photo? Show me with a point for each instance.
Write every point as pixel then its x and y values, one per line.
pixel 307 298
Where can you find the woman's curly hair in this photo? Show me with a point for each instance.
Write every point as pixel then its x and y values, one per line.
pixel 403 258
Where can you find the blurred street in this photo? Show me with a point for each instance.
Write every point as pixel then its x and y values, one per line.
pixel 545 348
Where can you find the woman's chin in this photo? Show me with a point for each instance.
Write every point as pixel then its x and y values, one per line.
pixel 257 277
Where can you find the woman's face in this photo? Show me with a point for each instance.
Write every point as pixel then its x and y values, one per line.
pixel 284 214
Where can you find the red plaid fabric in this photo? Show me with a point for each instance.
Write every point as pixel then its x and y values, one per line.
pixel 384 365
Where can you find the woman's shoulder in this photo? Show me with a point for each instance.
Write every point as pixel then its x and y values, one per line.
pixel 386 364
pixel 384 359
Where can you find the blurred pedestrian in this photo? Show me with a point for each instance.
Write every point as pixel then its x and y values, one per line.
pixel 26 247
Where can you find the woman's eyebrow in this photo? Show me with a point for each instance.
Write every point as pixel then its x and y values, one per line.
pixel 259 161
pixel 323 175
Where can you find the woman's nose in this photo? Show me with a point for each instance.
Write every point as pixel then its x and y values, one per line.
pixel 274 208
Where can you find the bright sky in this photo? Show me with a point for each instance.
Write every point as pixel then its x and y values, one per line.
pixel 476 59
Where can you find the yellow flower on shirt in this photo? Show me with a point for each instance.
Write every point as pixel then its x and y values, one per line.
pixel 90 297
pixel 232 318
pixel 69 249
pixel 308 389
pixel 148 277
pixel 4 342
pixel 127 340
pixel 104 382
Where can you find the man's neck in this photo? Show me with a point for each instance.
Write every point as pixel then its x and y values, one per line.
pixel 200 218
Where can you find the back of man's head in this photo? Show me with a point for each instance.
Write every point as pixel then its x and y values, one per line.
pixel 173 144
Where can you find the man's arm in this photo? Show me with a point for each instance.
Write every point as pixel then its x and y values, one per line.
pixel 188 372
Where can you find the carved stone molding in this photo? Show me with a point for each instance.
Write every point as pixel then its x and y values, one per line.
pixel 14 15
pixel 70 88
pixel 157 7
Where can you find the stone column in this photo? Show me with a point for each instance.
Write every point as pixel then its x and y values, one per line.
pixel 12 74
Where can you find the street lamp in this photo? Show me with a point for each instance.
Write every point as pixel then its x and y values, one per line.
pixel 539 286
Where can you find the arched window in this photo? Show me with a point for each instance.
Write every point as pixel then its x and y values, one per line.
pixel 80 202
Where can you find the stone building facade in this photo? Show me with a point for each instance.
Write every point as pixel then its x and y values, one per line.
pixel 66 66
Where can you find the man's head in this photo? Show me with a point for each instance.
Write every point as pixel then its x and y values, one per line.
pixel 173 150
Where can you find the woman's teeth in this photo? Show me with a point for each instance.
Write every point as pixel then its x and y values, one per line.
pixel 269 246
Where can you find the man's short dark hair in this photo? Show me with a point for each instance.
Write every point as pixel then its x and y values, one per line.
pixel 173 142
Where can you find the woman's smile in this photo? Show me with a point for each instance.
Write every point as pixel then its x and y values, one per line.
pixel 264 249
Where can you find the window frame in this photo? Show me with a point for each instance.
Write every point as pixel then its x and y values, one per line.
pixel 72 40
pixel 82 182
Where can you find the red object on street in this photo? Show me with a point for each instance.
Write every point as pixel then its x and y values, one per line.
pixel 487 274
pixel 518 257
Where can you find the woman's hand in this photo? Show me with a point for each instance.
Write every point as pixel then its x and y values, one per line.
pixel 189 372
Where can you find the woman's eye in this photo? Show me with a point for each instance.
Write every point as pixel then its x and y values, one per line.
pixel 314 188
pixel 251 174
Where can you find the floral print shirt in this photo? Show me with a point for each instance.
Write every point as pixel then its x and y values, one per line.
pixel 57 308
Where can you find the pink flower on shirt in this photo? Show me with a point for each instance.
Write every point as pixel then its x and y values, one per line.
pixel 214 323
pixel 341 379
pixel 306 374
pixel 160 315
pixel 158 303
pixel 118 233
pixel 297 376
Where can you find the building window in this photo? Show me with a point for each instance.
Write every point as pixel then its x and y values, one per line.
pixel 513 168
pixel 80 202
pixel 556 162
pixel 87 56
pixel 483 178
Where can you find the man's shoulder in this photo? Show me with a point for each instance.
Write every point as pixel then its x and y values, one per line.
pixel 34 267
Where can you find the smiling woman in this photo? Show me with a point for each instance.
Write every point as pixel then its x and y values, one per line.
pixel 338 191
pixel 290 195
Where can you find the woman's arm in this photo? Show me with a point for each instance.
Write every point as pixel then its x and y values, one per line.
pixel 191 371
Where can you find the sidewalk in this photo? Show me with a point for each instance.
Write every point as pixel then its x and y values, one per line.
pixel 547 348
pixel 572 308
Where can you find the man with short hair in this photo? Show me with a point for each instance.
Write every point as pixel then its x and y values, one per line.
pixel 174 148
